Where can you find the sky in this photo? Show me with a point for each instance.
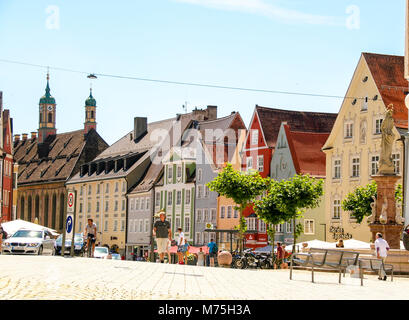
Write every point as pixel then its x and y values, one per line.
pixel 299 46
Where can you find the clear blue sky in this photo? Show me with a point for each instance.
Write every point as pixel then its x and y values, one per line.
pixel 289 45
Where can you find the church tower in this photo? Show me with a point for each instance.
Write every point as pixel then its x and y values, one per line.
pixel 47 114
pixel 90 113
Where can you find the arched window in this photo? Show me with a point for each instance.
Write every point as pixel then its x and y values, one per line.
pixel 46 204
pixel 37 208
pixel 50 117
pixel 92 114
pixel 22 208
pixel 54 212
pixel 62 203
pixel 29 210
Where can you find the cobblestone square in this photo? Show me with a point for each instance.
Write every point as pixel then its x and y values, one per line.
pixel 57 278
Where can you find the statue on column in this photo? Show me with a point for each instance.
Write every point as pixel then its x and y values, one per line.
pixel 383 218
pixel 385 162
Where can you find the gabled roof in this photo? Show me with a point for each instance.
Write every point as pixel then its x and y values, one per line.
pixel 305 148
pixel 271 119
pixel 388 74
pixel 64 151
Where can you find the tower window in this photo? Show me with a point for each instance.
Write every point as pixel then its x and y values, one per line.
pixel 92 114
pixel 50 117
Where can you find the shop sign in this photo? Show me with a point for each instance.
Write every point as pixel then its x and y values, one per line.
pixel 339 233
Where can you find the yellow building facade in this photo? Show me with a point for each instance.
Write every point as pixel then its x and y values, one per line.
pixel 354 145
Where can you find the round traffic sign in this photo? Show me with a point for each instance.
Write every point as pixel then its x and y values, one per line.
pixel 70 199
pixel 69 224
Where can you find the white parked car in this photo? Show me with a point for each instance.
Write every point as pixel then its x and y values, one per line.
pixel 26 241
pixel 101 252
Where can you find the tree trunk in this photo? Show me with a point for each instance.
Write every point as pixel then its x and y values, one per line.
pixel 295 234
pixel 242 228
pixel 271 232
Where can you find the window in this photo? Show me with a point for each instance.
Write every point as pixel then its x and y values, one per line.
pixel 170 172
pixel 262 226
pixel 374 165
pixel 135 225
pixel 179 173
pixel 213 217
pixel 187 224
pixel 148 203
pixel 98 188
pixel 355 167
pixel 116 205
pixel 206 215
pixel 199 175
pixel 349 130
pixel 199 215
pixel 140 226
pixel 178 198
pixel 365 104
pixel 254 137
pixel 260 163
pixel 187 200
pixel 106 206
pixel 107 188
pixel 222 211
pixel 199 191
pixel 130 230
pixel 396 162
pixel 97 208
pixel 177 221
pixel 289 227
pixel 131 204
pixel 170 196
pixel 124 186
pixel 106 225
pixel 80 211
pixel 251 224
pixel 89 207
pixel 81 191
pixel 249 162
pixel 137 204
pixel 336 211
pixel 206 190
pixel 279 228
pixel 89 190
pixel 378 126
pixel 236 214
pixel 197 239
pixel 157 199
pixel 116 186
pixel 122 225
pixel 308 226
pixel 80 225
pixel 123 204
pixel 229 211
pixel 143 204
pixel 146 225
pixel 337 169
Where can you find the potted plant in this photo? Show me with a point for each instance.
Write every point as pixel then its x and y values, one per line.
pixel 191 259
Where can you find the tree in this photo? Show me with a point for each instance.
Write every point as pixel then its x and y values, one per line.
pixel 293 196
pixel 242 188
pixel 359 201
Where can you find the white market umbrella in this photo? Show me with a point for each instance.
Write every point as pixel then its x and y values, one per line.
pixel 356 244
pixel 12 227
pixel 312 244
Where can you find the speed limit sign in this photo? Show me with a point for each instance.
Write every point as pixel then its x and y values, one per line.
pixel 70 202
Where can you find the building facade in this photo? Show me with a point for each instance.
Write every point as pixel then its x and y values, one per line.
pixel 354 145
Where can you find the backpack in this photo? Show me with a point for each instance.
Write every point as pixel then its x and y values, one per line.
pixel 215 248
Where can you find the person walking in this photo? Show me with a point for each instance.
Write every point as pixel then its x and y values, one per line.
pixel 212 251
pixel 381 250
pixel 163 233
pixel 200 257
pixel 280 255
pixel 181 245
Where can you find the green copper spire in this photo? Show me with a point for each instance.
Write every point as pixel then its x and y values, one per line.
pixel 47 98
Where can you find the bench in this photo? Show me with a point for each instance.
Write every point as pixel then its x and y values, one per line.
pixel 374 264
pixel 325 259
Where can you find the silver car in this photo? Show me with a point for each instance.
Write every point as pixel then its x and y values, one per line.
pixel 26 241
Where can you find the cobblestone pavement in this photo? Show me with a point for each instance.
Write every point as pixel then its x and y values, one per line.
pixel 46 277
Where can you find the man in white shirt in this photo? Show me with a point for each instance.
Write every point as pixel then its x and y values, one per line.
pixel 381 250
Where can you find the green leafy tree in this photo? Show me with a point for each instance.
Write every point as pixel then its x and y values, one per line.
pixel 359 201
pixel 242 188
pixel 293 196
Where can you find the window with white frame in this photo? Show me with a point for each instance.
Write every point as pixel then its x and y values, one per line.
pixel 249 163
pixel 123 204
pixel 170 197
pixel 289 227
pixel 148 203
pixel 206 191
pixel 254 137
pixel 146 225
pixel 262 226
pixel 199 215
pixel 374 165
pixel 206 215
pixel 157 199
pixel 177 221
pixel 222 212
pixel 260 163
pixel 170 172
pixel 309 226
pixel 213 215
pixel 80 210
pixel 229 212
pixel 187 199
pixel 336 209
pixel 130 229
pixel 106 225
pixel 199 175
pixel 349 127
pixel 140 225
pixel 251 224
pixel 97 207
pixel 89 189
pixel 98 188
pixel 199 191
pixel 178 198
pixel 137 204
pixel 115 225
pixel 116 205
pixel 116 186
pixel 135 225
pixel 236 214
pixel 378 126
pixel 142 203
pixel 355 167
pixel 122 225
pixel 197 238
pixel 396 162
pixel 179 171
pixel 106 206
pixel 131 204
pixel 124 186
pixel 337 169
pixel 279 228
pixel 187 224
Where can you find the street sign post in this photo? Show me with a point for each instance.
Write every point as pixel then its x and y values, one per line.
pixel 69 229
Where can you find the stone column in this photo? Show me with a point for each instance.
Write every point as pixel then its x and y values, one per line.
pixel 386 201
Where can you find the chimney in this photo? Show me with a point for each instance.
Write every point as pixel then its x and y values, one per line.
pixel 16 138
pixel 140 127
pixel 33 135
pixel 25 135
pixel 211 112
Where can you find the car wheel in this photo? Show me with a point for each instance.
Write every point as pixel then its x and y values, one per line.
pixel 40 250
